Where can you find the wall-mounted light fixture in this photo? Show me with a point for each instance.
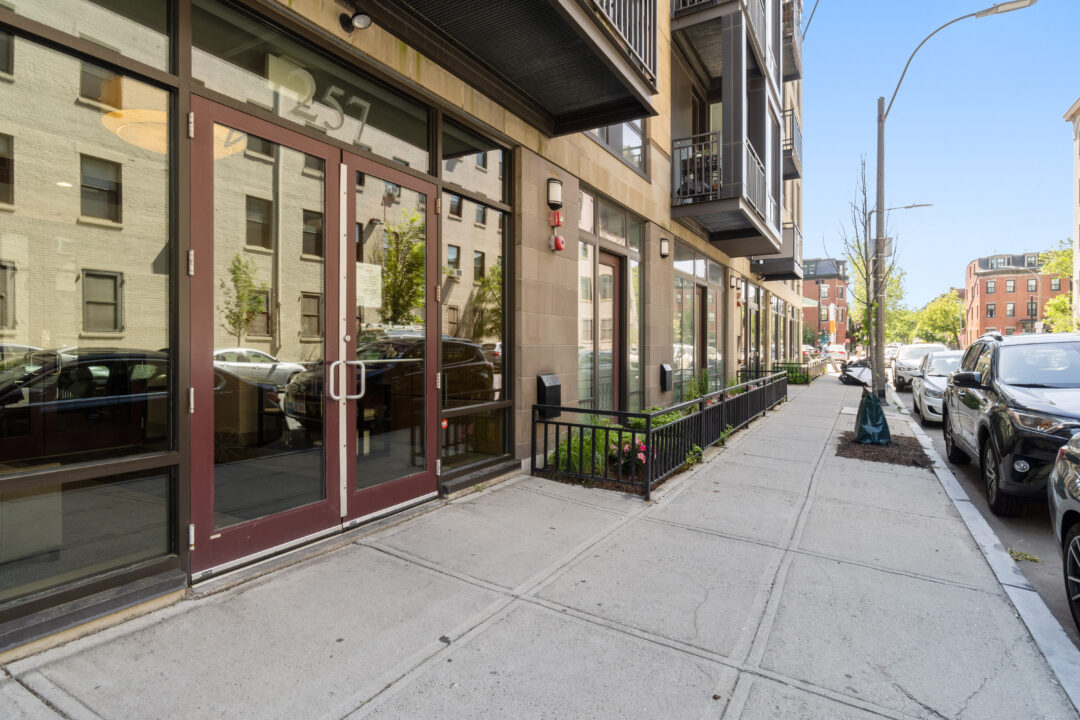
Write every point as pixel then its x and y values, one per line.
pixel 733 281
pixel 356 21
pixel 665 247
pixel 554 193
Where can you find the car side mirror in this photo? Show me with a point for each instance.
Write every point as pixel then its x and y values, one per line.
pixel 972 380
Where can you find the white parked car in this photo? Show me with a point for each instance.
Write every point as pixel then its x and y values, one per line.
pixel 256 365
pixel 928 386
pixel 836 352
pixel 907 361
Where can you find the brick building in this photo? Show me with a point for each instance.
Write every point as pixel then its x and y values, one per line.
pixel 825 281
pixel 1007 293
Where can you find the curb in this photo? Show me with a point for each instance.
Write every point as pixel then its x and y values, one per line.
pixel 1061 655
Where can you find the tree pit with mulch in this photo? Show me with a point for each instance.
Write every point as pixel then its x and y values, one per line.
pixel 903 450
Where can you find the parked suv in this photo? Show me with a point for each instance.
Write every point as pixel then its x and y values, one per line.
pixel 1064 493
pixel 907 360
pixel 1014 402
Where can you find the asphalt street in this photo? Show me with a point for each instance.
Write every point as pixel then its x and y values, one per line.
pixel 1030 533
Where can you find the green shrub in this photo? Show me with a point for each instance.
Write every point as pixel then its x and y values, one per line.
pixel 693 455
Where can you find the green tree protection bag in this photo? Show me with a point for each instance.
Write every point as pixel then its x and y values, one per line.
pixel 870 425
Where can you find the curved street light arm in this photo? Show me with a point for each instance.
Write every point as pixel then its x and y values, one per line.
pixel 889 107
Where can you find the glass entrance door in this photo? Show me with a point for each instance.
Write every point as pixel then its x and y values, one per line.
pixel 264 462
pixel 391 312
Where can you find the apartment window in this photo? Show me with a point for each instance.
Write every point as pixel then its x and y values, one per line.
pixel 1010 309
pixel 452 320
pixel 607 287
pixel 7 295
pixel 991 287
pixel 313 165
pixel 313 233
pixel 991 311
pixel 1010 331
pixel 259 146
pixel 586 330
pixel 100 85
pixel 822 314
pixel 627 140
pixel 1010 286
pixel 101 189
pixel 586 288
pixel 1031 260
pixel 102 303
pixel 455 206
pixel 823 291
pixel 1055 284
pixel 606 329
pixel 840 292
pixel 311 315
pixel 478 265
pixel 260 222
pixel 481 215
pixel 481 160
pixel 7 53
pixel 1032 284
pixel 7 169
pixel 261 325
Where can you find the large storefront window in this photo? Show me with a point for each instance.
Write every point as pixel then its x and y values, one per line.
pixel 246 59
pixel 685 359
pixel 85 241
pixel 586 316
pixel 698 323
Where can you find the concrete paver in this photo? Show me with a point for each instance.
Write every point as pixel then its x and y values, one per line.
pixel 774 581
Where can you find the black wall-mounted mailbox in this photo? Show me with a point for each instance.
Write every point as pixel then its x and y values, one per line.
pixel 665 377
pixel 548 392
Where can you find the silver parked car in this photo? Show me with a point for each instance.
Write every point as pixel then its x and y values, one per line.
pixel 256 365
pixel 907 361
pixel 929 381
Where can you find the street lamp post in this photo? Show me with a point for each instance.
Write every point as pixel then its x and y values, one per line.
pixel 878 363
pixel 1033 310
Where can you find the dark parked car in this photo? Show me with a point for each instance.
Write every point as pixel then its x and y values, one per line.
pixel 90 403
pixel 394 378
pixel 1013 403
pixel 1064 493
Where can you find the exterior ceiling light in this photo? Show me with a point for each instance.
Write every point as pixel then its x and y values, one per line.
pixel 356 21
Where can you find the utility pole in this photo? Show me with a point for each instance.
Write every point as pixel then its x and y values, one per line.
pixel 877 364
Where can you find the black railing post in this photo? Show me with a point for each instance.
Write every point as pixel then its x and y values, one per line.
pixel 532 454
pixel 650 450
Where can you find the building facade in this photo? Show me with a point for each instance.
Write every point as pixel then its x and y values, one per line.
pixel 1073 116
pixel 1007 294
pixel 269 272
pixel 826 283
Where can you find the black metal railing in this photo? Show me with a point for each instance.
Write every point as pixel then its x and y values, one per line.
pixel 801 373
pixel 756 191
pixel 792 15
pixel 635 23
pixel 695 168
pixel 792 134
pixel 640 449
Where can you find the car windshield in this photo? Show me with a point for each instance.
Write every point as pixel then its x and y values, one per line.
pixel 916 352
pixel 1043 365
pixel 942 366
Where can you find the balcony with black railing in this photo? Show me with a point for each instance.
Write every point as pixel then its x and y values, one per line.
pixel 788 264
pixel 562 65
pixel 792 146
pixel 792 39
pixel 732 204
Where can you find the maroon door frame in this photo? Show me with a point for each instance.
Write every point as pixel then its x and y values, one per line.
pixel 211 548
pixel 618 357
pixel 371 500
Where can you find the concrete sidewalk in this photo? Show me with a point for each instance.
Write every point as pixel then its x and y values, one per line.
pixel 774 581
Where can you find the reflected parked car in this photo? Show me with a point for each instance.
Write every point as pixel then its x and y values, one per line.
pixel 1063 491
pixel 256 365
pixel 1012 404
pixel 90 403
pixel 395 379
pixel 929 381
pixel 494 353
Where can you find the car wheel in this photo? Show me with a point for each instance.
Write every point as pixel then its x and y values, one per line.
pixel 1071 569
pixel 1000 502
pixel 955 454
pixel 920 410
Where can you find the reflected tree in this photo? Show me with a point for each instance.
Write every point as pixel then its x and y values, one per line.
pixel 403 270
pixel 483 316
pixel 244 298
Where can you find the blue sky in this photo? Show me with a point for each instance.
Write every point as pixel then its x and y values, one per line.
pixel 976 129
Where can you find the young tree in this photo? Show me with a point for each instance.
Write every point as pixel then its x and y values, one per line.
pixel 403 269
pixel 483 316
pixel 244 297
pixel 942 319
pixel 1057 313
pixel 900 325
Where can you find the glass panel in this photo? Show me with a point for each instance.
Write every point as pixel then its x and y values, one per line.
pixel 61 534
pixel 612 224
pixel 268 454
pixel 137 29
pixel 714 365
pixel 633 144
pixel 607 313
pixel 586 354
pixel 472 161
pixel 633 337
pixel 67 393
pixel 684 259
pixel 247 59
pixel 588 206
pixel 390 282
pixel 472 307
pixel 685 363
pixel 7 169
pixel 637 233
pixel 472 438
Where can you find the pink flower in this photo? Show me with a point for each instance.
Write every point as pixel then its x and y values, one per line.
pixel 641 456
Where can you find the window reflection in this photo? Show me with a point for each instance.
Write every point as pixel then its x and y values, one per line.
pixel 84 253
pixel 468 160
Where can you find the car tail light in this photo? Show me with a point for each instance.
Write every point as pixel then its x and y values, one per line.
pixel 1061 453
